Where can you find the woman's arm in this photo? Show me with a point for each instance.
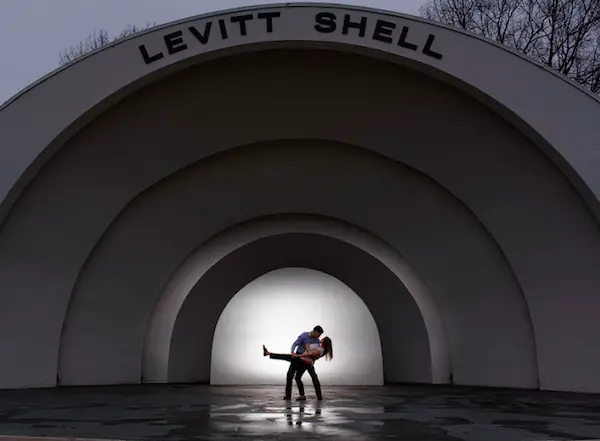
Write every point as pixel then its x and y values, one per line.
pixel 313 353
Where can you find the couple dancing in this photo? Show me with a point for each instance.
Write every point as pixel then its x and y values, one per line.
pixel 307 349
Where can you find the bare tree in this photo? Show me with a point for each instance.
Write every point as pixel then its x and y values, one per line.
pixel 563 34
pixel 96 40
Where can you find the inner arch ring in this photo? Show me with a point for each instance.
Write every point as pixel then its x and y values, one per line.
pixel 155 362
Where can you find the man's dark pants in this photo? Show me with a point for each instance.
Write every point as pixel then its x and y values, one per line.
pixel 297 369
pixel 313 375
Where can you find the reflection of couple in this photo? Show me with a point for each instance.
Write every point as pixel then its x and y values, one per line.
pixel 307 349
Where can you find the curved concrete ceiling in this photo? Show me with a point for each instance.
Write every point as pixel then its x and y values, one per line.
pixel 313 242
pixel 407 350
pixel 501 77
pixel 112 187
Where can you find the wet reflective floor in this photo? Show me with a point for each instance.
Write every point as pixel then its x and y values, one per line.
pixel 256 412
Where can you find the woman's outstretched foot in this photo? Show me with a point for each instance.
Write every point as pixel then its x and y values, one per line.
pixel 302 398
pixel 265 352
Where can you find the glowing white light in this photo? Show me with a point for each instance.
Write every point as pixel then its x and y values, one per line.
pixel 278 306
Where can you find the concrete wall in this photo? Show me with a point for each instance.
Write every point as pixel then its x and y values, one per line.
pixel 404 341
pixel 168 223
pixel 494 230
pixel 158 338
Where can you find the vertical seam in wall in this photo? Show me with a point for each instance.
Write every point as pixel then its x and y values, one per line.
pixel 508 265
pixel 94 250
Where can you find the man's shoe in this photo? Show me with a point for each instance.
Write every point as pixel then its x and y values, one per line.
pixel 302 398
pixel 286 398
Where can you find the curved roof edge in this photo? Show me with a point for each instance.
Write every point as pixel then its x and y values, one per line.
pixel 292 5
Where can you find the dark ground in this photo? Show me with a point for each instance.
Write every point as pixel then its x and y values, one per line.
pixel 255 412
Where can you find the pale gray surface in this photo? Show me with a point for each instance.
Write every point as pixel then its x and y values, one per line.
pixel 510 192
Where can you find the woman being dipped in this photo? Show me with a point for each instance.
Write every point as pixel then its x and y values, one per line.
pixel 302 363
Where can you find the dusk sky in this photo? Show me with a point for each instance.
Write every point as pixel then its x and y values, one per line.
pixel 34 32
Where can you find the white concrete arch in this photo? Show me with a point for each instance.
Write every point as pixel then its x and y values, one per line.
pixel 136 61
pixel 483 176
pixel 420 220
pixel 402 333
pixel 503 181
pixel 261 311
pixel 158 336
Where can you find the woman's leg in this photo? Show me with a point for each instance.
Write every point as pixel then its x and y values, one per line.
pixel 284 357
pixel 290 373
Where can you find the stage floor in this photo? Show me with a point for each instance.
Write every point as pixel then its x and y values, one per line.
pixel 408 413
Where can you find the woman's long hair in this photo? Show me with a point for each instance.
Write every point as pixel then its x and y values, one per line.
pixel 328 354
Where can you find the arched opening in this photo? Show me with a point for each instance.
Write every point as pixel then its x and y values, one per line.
pixel 91 316
pixel 178 344
pixel 274 309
